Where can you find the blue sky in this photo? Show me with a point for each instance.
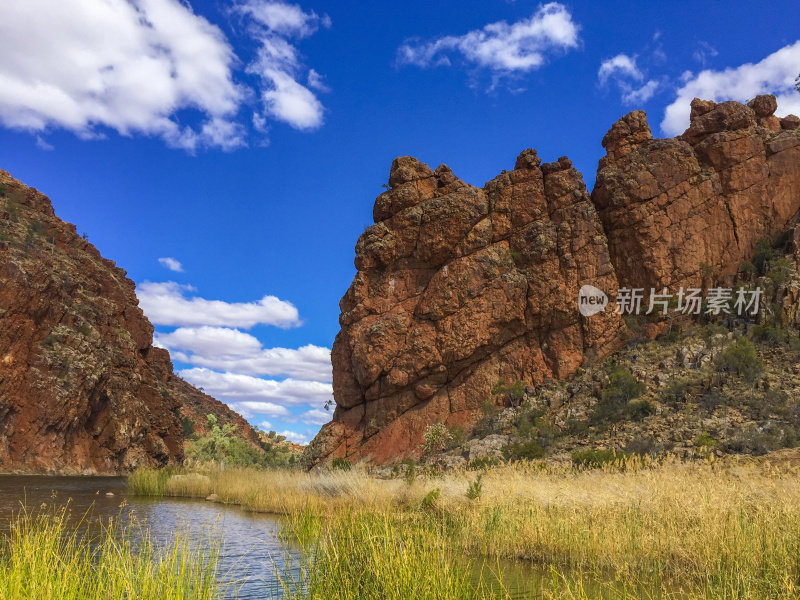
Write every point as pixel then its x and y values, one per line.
pixel 246 140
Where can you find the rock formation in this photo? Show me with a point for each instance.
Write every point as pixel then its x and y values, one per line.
pixel 706 197
pixel 459 288
pixel 82 389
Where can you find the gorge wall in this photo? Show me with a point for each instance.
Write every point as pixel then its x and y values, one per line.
pixel 459 288
pixel 82 389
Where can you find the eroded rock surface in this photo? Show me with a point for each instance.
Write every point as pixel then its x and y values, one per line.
pixel 459 287
pixel 82 389
pixel 706 197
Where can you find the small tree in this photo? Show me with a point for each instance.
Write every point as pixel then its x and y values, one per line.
pixel 741 358
pixel 437 438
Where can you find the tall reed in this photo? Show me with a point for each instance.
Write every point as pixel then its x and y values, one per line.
pixel 48 556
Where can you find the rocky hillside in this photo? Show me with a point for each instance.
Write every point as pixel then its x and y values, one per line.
pixel 82 389
pixel 462 288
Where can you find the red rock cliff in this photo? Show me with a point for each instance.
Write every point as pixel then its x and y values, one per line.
pixel 706 197
pixel 459 288
pixel 82 390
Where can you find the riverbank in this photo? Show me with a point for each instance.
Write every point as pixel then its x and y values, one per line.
pixel 723 529
pixel 45 555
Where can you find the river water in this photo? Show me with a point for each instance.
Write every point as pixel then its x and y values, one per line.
pixel 250 550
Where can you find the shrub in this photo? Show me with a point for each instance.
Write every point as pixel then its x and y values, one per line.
pixel 221 446
pixel 530 450
pixel 411 471
pixel 741 358
pixel 616 400
pixel 594 459
pixel 50 340
pixel 188 426
pixel 767 333
pixel 475 488
pixel 485 462
pixel 341 464
pixel 513 392
pixel 457 436
pixel 705 440
pixel 429 501
pixel 764 254
pixel 437 438
pixel 781 270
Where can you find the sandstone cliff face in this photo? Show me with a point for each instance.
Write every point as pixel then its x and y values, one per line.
pixel 82 389
pixel 459 288
pixel 705 197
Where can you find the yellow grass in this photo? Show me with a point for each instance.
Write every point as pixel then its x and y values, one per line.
pixel 724 530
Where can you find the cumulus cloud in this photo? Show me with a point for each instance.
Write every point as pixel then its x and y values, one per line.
pixel 774 74
pixel 621 65
pixel 252 392
pixel 232 350
pixel 153 68
pixel 88 65
pixel 627 76
pixel 170 263
pixel 297 438
pixel 278 65
pixel 316 416
pixel 517 47
pixel 167 304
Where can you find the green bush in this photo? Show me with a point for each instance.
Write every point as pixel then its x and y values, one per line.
pixel 741 358
pixel 188 427
pixel 485 462
pixel 429 501
pixel 530 450
pixel 437 438
pixel 705 440
pixel 595 459
pixel 764 254
pixel 475 488
pixel 781 270
pixel 341 464
pixel 616 401
pixel 767 333
pixel 221 446
pixel 513 392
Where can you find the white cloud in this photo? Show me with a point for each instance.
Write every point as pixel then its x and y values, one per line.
pixel 253 392
pixel 315 81
pixel 235 351
pixel 316 416
pixel 642 94
pixel 621 65
pixel 623 71
pixel 774 74
pixel 297 438
pixel 127 66
pixel 283 18
pixel 521 46
pixel 265 425
pixel 171 264
pixel 166 304
pixel 42 144
pixel 703 52
pixel 277 63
